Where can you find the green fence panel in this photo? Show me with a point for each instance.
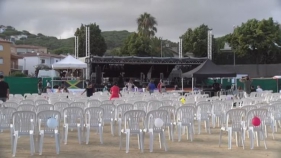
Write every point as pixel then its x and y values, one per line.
pixel 21 85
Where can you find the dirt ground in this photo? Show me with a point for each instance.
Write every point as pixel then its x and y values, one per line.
pixel 203 146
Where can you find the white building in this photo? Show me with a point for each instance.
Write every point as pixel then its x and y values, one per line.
pixel 31 60
pixel 17 37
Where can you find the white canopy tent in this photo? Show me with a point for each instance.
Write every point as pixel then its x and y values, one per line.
pixel 70 62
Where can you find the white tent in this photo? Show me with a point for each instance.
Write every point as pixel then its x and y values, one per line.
pixel 69 62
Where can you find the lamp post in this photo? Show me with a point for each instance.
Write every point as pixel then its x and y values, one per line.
pixel 234 55
pixel 161 47
pixel 210 42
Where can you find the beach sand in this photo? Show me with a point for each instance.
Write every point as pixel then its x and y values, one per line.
pixel 203 146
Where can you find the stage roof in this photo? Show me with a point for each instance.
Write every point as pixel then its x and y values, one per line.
pixel 145 60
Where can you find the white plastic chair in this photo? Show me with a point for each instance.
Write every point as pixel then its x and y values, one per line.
pixel 27 101
pixel 26 107
pixel 234 123
pixel 121 109
pixel 203 114
pixel 154 105
pixel 109 115
pixel 152 129
pixel 60 106
pixel 170 121
pixel 10 105
pixel 78 104
pixel 23 125
pixel 43 107
pixel 185 118
pixel 107 102
pixel 41 101
pixel 94 103
pixel 6 117
pixel 218 112
pixel 73 118
pixel 269 120
pixel 167 102
pixel 94 120
pixel 140 105
pixel 42 118
pixel 258 130
pixel 134 121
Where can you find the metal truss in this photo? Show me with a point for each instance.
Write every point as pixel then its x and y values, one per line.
pixel 145 60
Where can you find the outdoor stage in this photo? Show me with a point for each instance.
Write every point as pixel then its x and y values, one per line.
pixel 143 68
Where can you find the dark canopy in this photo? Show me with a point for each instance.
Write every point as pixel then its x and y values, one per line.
pixel 209 69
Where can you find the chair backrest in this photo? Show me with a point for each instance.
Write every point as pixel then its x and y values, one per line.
pixel 167 102
pixel 94 103
pixel 94 116
pixel 41 101
pixel 42 118
pixel 185 114
pixel 44 107
pixel 73 116
pixel 249 107
pixel 140 105
pixel 11 104
pixel 134 120
pixel 107 102
pixel 234 118
pixel 78 104
pixel 171 110
pixel 218 107
pixel 24 122
pixel 261 105
pixel 204 107
pixel 260 113
pixel 59 106
pixel 27 101
pixel 154 105
pixel 6 117
pixel 153 115
pixel 26 107
pixel 228 105
pixel 118 102
pixel 122 108
pixel 109 111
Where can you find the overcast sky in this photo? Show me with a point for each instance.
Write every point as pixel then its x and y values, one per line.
pixel 60 18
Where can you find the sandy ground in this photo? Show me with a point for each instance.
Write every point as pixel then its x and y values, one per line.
pixel 204 146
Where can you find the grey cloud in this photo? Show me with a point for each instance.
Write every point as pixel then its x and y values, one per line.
pixel 54 17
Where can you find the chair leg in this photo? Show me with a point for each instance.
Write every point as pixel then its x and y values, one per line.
pixel 265 146
pixel 199 126
pixel 101 134
pixel 41 142
pixel 220 138
pixel 151 139
pixel 57 139
pixel 163 140
pixel 65 134
pixel 179 132
pixel 32 146
pixel 127 141
pixel 172 132
pixel 141 141
pixel 119 127
pixel 79 133
pixel 15 144
pixel 112 127
pixel 229 138
pixel 87 134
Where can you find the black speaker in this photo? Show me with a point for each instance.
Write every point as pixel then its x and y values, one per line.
pixel 98 75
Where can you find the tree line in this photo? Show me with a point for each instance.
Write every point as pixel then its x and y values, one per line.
pixel 253 42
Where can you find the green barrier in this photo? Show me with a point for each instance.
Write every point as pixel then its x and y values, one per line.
pixel 22 85
pixel 265 84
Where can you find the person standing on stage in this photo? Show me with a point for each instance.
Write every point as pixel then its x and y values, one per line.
pixel 90 89
pixel 115 91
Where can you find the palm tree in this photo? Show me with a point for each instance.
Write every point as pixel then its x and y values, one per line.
pixel 146 25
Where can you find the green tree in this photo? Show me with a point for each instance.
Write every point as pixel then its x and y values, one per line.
pixel 146 25
pixel 196 41
pixel 97 43
pixel 137 45
pixel 259 39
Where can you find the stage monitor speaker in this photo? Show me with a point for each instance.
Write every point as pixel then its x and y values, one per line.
pixel 98 75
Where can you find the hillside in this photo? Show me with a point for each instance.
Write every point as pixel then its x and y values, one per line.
pixel 113 40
